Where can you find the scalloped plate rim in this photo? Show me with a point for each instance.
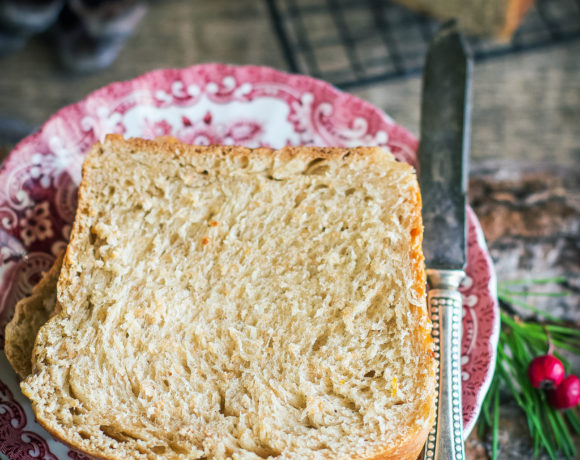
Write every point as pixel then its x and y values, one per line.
pixel 290 79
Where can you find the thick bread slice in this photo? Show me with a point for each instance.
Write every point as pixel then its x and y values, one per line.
pixel 29 314
pixel 225 302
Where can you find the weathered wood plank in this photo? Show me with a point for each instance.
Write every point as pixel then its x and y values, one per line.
pixel 530 215
pixel 527 106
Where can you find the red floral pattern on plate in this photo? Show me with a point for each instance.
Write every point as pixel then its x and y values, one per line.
pixel 16 441
pixel 207 104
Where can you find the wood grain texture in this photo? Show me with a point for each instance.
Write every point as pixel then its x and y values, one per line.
pixel 530 215
pixel 526 106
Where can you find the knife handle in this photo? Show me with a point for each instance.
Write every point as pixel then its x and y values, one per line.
pixel 445 441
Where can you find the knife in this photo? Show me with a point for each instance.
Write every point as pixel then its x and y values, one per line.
pixel 443 169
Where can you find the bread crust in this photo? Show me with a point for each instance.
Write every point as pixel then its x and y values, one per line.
pixel 512 16
pixel 30 314
pixel 516 10
pixel 407 448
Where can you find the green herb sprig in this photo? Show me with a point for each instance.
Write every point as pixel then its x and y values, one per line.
pixel 519 343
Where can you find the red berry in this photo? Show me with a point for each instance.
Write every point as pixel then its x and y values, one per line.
pixel 546 372
pixel 566 395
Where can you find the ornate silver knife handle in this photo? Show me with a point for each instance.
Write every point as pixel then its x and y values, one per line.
pixel 445 441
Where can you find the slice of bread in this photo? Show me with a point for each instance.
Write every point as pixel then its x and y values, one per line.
pixel 223 302
pixel 492 18
pixel 29 314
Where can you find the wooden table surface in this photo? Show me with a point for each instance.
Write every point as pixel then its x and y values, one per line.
pixel 526 106
pixel 526 117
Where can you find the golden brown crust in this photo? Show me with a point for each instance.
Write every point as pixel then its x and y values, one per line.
pixel 503 29
pixel 408 448
pixel 170 147
pixel 30 314
pixel 515 11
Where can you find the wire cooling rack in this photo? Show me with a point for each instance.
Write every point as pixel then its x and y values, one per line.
pixel 356 42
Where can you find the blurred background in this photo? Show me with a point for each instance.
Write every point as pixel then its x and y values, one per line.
pixel 526 91
pixel 525 146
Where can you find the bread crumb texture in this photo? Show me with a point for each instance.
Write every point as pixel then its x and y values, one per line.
pixel 222 302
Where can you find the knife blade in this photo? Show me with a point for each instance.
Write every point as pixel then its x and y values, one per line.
pixel 444 148
pixel 443 168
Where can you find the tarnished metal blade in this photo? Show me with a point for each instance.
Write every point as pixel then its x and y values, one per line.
pixel 444 148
